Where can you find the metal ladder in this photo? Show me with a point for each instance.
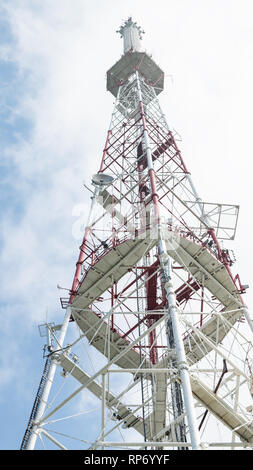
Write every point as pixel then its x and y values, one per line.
pixel 36 405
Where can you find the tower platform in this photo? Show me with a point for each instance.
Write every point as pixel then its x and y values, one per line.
pixel 120 72
pixel 214 276
pixel 191 255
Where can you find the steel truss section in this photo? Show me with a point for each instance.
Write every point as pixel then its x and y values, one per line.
pixel 158 335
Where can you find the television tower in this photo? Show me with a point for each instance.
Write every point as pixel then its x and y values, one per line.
pixel 159 351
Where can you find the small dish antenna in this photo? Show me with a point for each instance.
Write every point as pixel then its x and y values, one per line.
pixel 101 180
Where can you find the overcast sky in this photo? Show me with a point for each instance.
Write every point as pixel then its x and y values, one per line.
pixel 55 112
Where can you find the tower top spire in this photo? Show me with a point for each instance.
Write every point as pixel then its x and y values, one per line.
pixel 132 35
pixel 134 59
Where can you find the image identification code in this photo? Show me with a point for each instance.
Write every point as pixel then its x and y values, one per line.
pixel 131 459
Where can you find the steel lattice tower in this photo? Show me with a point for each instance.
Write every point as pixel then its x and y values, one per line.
pixel 153 300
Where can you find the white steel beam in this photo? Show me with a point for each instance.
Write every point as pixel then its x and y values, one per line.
pixel 104 368
pixel 52 439
pixel 48 384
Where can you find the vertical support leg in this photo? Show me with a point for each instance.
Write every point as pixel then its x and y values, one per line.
pixel 248 317
pixel 238 378
pixel 48 384
pixel 181 357
pixel 176 392
pixel 103 411
pixel 83 247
